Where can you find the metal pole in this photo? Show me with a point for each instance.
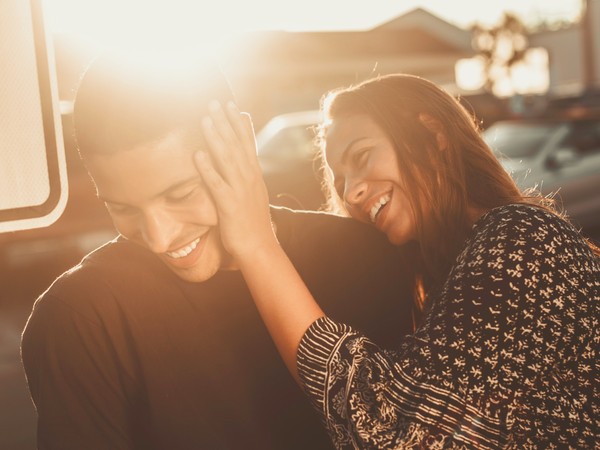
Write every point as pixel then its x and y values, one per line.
pixel 588 46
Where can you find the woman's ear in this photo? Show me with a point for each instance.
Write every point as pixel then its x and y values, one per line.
pixel 436 127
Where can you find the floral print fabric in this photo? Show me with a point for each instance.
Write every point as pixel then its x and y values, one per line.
pixel 505 357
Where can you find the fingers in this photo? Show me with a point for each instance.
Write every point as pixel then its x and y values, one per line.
pixel 219 150
pixel 222 142
pixel 234 126
pixel 231 172
pixel 218 188
pixel 226 123
pixel 249 138
pixel 237 121
pixel 241 123
pixel 231 140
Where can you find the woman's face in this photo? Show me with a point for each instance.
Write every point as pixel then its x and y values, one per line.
pixel 366 176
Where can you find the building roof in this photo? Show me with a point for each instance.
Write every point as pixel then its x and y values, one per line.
pixel 428 23
pixel 417 32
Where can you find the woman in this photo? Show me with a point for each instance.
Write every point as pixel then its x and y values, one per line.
pixel 504 355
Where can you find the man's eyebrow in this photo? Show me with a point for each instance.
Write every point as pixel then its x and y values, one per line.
pixel 179 185
pixel 162 193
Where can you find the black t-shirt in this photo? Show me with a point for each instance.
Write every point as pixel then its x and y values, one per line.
pixel 120 353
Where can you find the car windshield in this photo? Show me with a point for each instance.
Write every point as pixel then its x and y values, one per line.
pixel 293 143
pixel 518 140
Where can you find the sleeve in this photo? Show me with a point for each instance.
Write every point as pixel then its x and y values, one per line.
pixel 372 398
pixel 75 380
pixel 514 315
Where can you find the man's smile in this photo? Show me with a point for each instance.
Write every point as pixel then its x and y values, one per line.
pixel 187 255
pixel 184 251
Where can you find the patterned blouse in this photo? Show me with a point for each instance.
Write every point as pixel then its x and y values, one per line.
pixel 505 357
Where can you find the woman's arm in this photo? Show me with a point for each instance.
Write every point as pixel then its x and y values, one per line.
pixel 231 171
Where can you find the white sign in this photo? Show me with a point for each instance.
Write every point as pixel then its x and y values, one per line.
pixel 33 181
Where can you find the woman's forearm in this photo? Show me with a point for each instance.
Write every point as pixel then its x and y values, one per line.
pixel 234 177
pixel 282 299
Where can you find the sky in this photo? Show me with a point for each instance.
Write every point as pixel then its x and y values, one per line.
pixel 100 19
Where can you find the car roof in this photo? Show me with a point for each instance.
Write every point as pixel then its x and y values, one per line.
pixel 288 120
pixel 307 117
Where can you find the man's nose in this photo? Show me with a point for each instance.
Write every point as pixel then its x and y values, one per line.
pixel 158 231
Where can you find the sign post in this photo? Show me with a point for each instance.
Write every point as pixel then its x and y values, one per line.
pixel 33 181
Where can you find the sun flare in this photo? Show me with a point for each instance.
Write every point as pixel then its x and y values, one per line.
pixel 141 25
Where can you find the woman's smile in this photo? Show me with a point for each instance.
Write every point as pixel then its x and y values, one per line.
pixel 365 168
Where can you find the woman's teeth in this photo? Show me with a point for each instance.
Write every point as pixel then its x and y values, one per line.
pixel 376 208
pixel 184 251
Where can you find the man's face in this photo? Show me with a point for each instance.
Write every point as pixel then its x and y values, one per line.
pixel 157 199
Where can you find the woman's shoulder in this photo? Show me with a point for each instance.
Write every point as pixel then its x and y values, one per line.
pixel 528 229
pixel 523 219
pixel 519 211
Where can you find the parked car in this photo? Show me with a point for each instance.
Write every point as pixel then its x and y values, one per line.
pixel 288 155
pixel 557 156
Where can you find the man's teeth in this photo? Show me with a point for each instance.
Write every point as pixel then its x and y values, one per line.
pixel 377 207
pixel 184 251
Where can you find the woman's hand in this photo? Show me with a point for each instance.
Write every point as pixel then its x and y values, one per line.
pixel 231 172
pixel 234 178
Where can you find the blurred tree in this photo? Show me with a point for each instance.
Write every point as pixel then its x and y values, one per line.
pixel 500 48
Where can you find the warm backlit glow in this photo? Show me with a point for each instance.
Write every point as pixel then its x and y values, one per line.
pixel 118 20
pixel 204 28
pixel 530 76
pixel 143 25
pixel 469 74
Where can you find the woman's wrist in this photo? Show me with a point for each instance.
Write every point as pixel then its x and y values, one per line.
pixel 265 249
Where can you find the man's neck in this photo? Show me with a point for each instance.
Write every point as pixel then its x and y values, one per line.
pixel 229 264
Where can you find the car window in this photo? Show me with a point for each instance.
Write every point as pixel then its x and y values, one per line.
pixel 584 138
pixel 518 140
pixel 290 144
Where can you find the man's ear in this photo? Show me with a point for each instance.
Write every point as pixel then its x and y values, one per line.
pixel 436 127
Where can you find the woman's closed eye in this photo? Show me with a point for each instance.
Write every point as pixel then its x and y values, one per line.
pixel 360 157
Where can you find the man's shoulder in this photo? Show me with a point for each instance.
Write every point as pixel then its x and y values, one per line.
pixel 112 259
pixel 293 224
pixel 116 267
pixel 328 243
pixel 116 250
pixel 292 216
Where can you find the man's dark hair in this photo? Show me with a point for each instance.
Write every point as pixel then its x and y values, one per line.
pixel 122 103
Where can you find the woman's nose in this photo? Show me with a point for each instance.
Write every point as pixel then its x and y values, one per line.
pixel 354 191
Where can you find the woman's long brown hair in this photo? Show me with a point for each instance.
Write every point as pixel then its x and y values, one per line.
pixel 442 185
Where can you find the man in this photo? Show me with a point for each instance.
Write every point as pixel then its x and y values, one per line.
pixel 153 341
